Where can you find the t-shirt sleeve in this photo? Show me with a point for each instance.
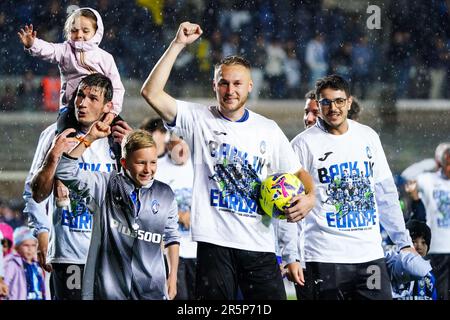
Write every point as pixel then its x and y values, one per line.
pixel 91 185
pixel 390 213
pixel 285 159
pixel 37 212
pixel 381 166
pixel 183 125
pixel 302 153
pixel 171 234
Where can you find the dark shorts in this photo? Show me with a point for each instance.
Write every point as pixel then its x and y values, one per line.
pixel 186 279
pixel 221 271
pixel 304 292
pixel 347 281
pixel 441 270
pixel 66 280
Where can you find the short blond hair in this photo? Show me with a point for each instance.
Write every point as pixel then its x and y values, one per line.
pixel 136 140
pixel 233 61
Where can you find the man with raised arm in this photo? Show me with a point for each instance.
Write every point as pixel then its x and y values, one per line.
pixel 233 149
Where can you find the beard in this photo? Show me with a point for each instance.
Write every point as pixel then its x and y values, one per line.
pixel 226 109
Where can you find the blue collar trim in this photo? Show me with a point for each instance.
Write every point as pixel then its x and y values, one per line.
pixel 242 119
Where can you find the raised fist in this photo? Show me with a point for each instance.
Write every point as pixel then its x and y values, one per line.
pixel 188 33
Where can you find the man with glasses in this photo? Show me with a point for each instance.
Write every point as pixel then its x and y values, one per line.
pixel 355 193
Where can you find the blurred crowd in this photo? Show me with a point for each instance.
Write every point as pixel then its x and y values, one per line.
pixel 289 44
pixel 11 212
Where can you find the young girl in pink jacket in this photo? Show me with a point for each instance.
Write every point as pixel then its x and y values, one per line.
pixel 23 275
pixel 77 57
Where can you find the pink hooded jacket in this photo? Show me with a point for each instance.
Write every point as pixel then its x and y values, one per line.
pixel 7 232
pixel 77 59
pixel 15 277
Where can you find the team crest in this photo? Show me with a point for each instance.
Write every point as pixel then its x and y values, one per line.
pixel 155 206
pixel 368 152
pixel 111 154
pixel 262 147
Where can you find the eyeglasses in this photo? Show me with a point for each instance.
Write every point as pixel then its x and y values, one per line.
pixel 338 102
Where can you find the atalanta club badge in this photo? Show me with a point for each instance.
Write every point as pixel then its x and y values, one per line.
pixel 155 206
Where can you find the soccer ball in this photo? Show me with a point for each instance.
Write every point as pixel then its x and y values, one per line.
pixel 276 192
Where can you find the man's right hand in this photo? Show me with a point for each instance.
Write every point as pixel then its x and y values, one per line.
pixel 188 33
pixel 98 130
pixel 42 251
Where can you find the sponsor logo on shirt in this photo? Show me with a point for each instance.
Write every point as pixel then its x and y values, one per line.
pixel 325 156
pixel 139 234
pixel 218 133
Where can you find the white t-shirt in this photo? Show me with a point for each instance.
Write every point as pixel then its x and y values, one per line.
pixel 230 159
pixel 180 178
pixel 344 225
pixel 434 191
pixel 70 230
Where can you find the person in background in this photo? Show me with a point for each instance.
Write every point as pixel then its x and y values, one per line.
pixel 355 110
pixel 7 239
pixel 3 287
pixel 411 275
pixel 311 109
pixel 434 191
pixel 23 275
